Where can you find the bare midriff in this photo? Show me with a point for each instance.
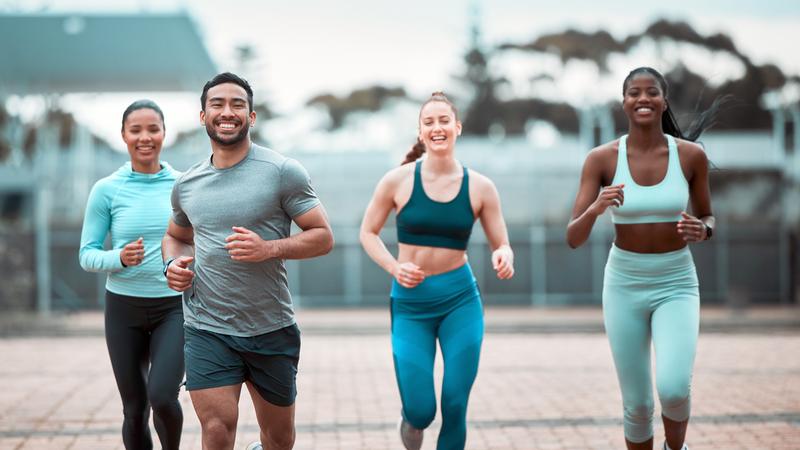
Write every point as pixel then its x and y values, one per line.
pixel 649 237
pixel 432 260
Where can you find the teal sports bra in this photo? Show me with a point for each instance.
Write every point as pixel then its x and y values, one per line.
pixel 662 202
pixel 429 223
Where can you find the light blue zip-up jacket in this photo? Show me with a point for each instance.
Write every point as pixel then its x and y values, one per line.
pixel 129 205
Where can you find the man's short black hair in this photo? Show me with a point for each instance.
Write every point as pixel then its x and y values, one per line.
pixel 227 77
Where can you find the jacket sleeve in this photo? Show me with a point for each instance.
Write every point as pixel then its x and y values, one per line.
pixel 96 225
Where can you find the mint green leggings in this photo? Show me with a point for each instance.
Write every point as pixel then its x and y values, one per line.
pixel 651 297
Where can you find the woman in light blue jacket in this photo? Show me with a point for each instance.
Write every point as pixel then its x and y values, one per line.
pixel 143 317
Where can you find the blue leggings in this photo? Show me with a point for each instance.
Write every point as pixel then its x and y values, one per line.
pixel 652 297
pixel 448 307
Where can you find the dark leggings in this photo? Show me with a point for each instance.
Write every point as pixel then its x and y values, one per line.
pixel 145 343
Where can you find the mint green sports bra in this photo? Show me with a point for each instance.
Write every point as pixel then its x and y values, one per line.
pixel 662 202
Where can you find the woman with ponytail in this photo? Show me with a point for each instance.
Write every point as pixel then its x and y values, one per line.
pixel 143 317
pixel 434 293
pixel 650 290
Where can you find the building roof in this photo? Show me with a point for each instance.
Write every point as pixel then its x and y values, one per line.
pixel 62 53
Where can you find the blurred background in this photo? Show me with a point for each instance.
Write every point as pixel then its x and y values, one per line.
pixel 338 87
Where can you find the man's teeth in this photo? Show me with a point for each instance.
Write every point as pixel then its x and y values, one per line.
pixel 228 126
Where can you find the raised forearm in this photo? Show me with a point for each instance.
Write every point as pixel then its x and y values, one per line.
pixel 172 247
pixel 377 250
pixel 579 228
pixel 308 243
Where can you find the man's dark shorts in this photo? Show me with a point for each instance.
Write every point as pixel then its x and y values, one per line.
pixel 268 361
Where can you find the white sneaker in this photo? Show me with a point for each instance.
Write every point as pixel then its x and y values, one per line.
pixel 255 445
pixel 667 447
pixel 409 436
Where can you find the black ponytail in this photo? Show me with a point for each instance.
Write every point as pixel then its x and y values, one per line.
pixel 669 124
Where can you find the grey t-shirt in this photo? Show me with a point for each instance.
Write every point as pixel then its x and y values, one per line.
pixel 262 193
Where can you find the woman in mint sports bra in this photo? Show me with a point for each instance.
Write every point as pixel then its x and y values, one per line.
pixel 646 179
pixel 434 294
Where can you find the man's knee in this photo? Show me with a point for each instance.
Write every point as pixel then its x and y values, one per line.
pixel 281 438
pixel 218 432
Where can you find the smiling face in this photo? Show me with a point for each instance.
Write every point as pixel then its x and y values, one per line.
pixel 643 100
pixel 438 127
pixel 143 132
pixel 227 116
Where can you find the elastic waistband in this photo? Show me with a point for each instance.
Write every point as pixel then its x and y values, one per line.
pixel 142 302
pixel 634 263
pixel 439 285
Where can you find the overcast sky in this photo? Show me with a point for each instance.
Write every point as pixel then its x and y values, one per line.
pixel 306 47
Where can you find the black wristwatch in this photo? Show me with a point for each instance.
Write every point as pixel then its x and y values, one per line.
pixel 166 266
pixel 709 231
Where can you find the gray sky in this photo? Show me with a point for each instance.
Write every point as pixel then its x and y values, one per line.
pixel 307 47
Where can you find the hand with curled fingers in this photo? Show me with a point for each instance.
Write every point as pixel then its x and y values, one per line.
pixel 690 228
pixel 408 274
pixel 179 277
pixel 503 262
pixel 132 254
pixel 608 196
pixel 247 246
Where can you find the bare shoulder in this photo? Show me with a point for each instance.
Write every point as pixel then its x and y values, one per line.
pixel 603 156
pixel 604 152
pixel 480 180
pixel 692 151
pixel 397 175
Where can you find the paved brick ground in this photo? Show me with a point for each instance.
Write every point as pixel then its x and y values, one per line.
pixel 534 390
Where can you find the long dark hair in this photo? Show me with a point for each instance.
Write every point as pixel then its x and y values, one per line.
pixel 142 104
pixel 419 147
pixel 669 125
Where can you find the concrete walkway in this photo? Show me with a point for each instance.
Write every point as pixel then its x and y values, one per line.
pixel 546 382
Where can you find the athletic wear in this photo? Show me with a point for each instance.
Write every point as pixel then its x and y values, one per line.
pixel 446 307
pixel 426 222
pixel 662 202
pixel 145 344
pixel 129 205
pixel 269 361
pixel 263 193
pixel 652 296
pixel 143 317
